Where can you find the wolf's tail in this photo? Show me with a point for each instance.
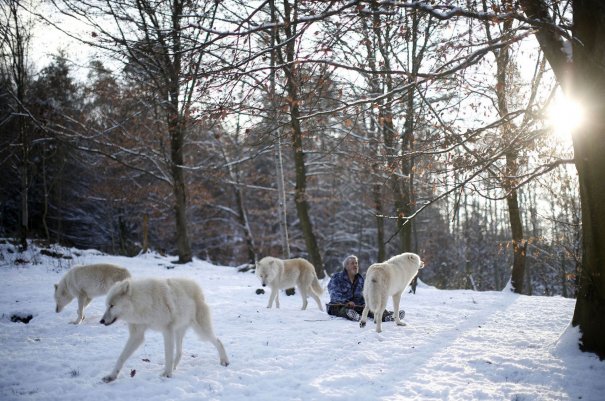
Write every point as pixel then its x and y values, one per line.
pixel 316 286
pixel 376 282
pixel 203 327
pixel 203 318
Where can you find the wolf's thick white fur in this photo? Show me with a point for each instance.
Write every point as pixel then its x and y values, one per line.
pixel 86 282
pixel 386 279
pixel 170 306
pixel 287 273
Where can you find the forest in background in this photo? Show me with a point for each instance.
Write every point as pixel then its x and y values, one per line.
pixel 233 130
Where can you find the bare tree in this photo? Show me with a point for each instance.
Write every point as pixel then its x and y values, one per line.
pixel 15 35
pixel 166 43
pixel 502 90
pixel 279 163
pixel 576 54
pixel 287 57
pixel 581 74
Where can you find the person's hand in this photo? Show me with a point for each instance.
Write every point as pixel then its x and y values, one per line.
pixel 350 304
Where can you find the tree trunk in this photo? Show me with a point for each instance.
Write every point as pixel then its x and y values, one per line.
pixel 379 212
pixel 399 185
pixel 18 45
pixel 281 197
pixel 176 127
pixel 302 205
pixel 584 80
pixel 512 164
pixel 407 168
pixel 374 86
pixel 122 234
pixel 300 191
pixel 407 232
pixel 279 165
pixel 242 214
pixel 390 142
pixel 407 143
pixel 180 194
pixel 45 191
pixel 145 233
pixel 24 179
pixel 589 147
pixel 519 245
pixel 243 221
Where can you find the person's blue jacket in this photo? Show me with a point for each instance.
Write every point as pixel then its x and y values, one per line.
pixel 342 290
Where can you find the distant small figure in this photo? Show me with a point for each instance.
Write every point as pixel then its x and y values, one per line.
pixel 414 284
pixel 85 283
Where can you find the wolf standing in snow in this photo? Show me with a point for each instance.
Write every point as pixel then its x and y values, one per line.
pixel 287 273
pixel 170 306
pixel 386 279
pixel 85 283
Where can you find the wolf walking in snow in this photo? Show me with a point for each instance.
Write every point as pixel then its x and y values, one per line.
pixel 287 273
pixel 86 282
pixel 386 279
pixel 170 306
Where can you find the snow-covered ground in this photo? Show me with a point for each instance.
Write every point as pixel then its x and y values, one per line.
pixel 457 345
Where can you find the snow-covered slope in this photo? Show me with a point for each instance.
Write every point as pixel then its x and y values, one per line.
pixel 457 345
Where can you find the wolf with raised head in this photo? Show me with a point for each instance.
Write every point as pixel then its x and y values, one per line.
pixel 170 306
pixel 386 279
pixel 287 273
pixel 86 282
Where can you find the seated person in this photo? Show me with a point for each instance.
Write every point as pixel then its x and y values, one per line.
pixel 346 293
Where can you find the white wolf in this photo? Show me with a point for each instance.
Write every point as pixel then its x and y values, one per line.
pixel 167 305
pixel 279 274
pixel 86 282
pixel 386 279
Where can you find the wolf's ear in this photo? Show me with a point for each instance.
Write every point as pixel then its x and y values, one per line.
pixel 123 287
pixel 127 287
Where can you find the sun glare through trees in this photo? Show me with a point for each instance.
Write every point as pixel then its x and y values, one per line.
pixel 565 116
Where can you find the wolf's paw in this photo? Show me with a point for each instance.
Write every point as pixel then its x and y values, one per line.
pixel 225 363
pixel 166 374
pixel 401 324
pixel 362 324
pixel 109 378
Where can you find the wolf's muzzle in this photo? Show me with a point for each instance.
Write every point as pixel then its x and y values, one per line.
pixel 107 323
